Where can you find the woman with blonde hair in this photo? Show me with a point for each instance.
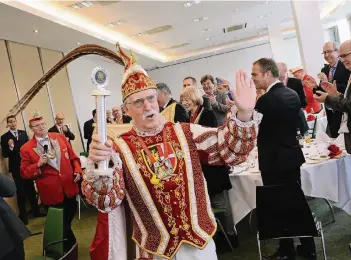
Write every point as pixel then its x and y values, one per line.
pixel 217 177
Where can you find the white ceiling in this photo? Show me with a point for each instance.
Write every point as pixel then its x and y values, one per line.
pixel 17 25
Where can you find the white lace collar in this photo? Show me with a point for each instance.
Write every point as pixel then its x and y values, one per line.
pixel 152 132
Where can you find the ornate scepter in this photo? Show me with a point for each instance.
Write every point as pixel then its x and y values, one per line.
pixel 100 78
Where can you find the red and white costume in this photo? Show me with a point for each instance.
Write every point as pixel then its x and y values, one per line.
pixel 171 212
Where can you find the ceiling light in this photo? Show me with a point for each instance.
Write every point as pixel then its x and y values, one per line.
pixel 200 19
pixel 188 4
pixel 116 23
pixel 235 10
pixel 80 5
pixel 78 43
pixel 206 30
pixel 209 38
pixel 264 15
pixel 36 31
pixel 137 35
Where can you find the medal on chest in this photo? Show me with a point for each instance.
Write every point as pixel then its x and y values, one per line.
pixel 162 157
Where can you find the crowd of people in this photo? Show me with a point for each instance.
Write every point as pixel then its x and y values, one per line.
pixel 173 173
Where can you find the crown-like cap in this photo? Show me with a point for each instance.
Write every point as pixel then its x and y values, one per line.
pixel 35 117
pixel 135 78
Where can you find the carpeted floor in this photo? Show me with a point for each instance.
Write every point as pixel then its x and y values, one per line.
pixel 337 236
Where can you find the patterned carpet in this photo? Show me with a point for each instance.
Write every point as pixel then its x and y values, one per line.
pixel 337 236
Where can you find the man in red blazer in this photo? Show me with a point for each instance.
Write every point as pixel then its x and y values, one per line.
pixel 50 160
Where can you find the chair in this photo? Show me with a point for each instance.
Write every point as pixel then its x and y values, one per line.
pixel 283 212
pixel 54 238
pixel 217 211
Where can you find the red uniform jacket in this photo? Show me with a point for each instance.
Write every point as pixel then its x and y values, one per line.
pixel 52 183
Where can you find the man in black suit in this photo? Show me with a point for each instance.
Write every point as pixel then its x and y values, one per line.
pixel 11 143
pixel 338 101
pixel 334 71
pixel 164 99
pixel 61 128
pixel 13 231
pixel 296 85
pixel 292 83
pixel 279 154
pixel 89 128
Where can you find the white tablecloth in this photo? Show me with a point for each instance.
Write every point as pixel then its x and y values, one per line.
pixel 330 180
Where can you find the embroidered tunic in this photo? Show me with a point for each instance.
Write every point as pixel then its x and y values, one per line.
pixel 177 209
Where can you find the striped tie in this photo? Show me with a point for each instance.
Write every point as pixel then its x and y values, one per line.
pixel 331 74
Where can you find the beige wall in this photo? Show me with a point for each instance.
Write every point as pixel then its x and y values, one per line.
pixel 21 66
pixel 61 95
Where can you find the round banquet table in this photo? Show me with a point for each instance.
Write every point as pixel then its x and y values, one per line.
pixel 330 179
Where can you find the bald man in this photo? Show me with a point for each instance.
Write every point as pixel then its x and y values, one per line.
pixel 334 71
pixel 338 101
pixel 61 128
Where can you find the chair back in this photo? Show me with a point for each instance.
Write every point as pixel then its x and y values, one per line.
pixel 54 231
pixel 282 211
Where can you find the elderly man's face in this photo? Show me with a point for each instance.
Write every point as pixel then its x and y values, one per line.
pixel 60 118
pixel 345 55
pixel 282 71
pixel 330 54
pixel 162 98
pixel 208 87
pixel 143 108
pixel 39 128
pixel 299 74
pixel 116 112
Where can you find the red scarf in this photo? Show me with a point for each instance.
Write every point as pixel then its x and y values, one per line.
pixel 194 116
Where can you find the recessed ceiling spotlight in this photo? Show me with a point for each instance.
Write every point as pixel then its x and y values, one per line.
pixel 215 52
pixel 264 15
pixel 188 4
pixel 80 5
pixel 78 43
pixel 36 31
pixel 200 19
pixel 206 30
pixel 235 10
pixel 116 23
pixel 137 35
pixel 209 38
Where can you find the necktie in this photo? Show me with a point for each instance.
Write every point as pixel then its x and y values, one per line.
pixel 16 134
pixel 331 74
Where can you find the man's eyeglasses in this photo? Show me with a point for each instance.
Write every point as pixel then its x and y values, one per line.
pixel 328 52
pixel 140 101
pixel 343 56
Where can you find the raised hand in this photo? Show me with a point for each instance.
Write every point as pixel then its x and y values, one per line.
pixel 330 88
pixel 245 96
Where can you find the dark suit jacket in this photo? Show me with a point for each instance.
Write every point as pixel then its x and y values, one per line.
pixel 14 155
pixel 68 134
pixel 296 84
pixel 220 108
pixel 278 148
pixel 181 115
pixel 88 131
pixel 217 177
pixel 341 77
pixel 341 104
pixel 12 229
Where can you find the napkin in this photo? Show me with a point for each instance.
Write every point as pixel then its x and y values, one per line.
pixel 340 141
pixel 322 137
pixel 334 151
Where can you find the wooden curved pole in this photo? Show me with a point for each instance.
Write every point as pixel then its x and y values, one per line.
pixel 87 49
